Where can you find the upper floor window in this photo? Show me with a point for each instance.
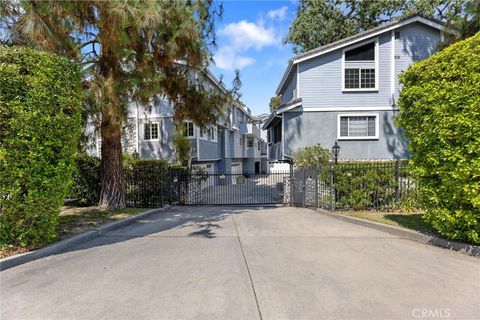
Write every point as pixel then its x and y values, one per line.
pixel 150 131
pixel 203 133
pixel 214 134
pixel 250 143
pixel 189 131
pixel 360 67
pixel 358 126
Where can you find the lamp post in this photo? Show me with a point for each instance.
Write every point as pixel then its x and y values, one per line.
pixel 135 155
pixel 336 151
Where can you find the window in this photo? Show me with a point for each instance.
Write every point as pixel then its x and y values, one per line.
pixel 189 131
pixel 358 127
pixel 214 134
pixel 258 146
pixel 249 143
pixel 360 67
pixel 150 131
pixel 203 133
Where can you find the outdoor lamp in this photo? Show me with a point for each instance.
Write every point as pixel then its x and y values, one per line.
pixel 135 155
pixel 336 151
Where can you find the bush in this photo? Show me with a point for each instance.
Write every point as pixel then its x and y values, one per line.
pixel 86 180
pixel 362 186
pixel 440 112
pixel 311 157
pixel 40 125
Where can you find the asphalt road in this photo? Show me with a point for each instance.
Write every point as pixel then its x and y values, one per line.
pixel 245 263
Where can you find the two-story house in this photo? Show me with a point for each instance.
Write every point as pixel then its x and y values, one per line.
pixel 232 144
pixel 346 91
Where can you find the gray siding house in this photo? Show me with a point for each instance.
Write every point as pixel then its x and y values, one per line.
pixel 230 145
pixel 346 91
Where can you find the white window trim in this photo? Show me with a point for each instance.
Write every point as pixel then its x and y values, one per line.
pixel 203 131
pixel 158 130
pixel 194 130
pixel 215 134
pixel 377 126
pixel 376 66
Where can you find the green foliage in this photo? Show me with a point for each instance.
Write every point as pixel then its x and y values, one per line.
pixel 362 186
pixel 440 112
pixel 322 22
pixel 182 148
pixel 86 180
pixel 152 182
pixel 311 157
pixel 275 102
pixel 40 124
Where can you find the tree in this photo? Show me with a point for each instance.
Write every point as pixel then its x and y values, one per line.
pixel 275 102
pixel 439 111
pixel 311 157
pixel 320 22
pixel 132 51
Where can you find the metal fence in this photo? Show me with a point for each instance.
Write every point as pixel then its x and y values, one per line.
pixel 345 186
pixel 153 186
pixel 353 186
pixel 237 188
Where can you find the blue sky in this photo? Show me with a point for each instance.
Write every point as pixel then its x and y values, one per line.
pixel 249 37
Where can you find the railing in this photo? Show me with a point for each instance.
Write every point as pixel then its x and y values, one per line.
pixel 354 186
pixel 153 186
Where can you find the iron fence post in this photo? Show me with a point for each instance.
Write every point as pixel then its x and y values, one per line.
pixel 397 182
pixel 331 188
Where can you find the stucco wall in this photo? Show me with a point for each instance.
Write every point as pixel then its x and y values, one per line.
pixel 309 128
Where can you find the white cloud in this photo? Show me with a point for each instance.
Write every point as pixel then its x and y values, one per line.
pixel 239 37
pixel 279 13
pixel 227 58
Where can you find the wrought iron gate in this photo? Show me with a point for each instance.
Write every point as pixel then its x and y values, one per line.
pixel 237 188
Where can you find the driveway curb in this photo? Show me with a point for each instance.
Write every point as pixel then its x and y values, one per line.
pixel 468 249
pixel 61 246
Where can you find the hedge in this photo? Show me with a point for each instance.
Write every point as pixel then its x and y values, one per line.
pixel 149 183
pixel 40 124
pixel 440 112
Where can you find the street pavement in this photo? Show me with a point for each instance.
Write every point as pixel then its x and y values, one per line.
pixel 244 263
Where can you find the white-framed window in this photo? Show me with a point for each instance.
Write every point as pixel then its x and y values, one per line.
pixel 249 142
pixel 357 126
pixel 258 146
pixel 150 131
pixel 214 134
pixel 203 133
pixel 189 129
pixel 360 67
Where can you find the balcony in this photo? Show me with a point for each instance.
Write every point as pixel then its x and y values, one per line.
pixel 249 129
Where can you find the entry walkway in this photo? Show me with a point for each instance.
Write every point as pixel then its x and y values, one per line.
pixel 244 263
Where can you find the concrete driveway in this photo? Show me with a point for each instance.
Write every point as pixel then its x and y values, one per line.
pixel 245 263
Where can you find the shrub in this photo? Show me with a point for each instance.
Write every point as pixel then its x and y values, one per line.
pixel 440 112
pixel 311 157
pixel 40 125
pixel 362 186
pixel 86 180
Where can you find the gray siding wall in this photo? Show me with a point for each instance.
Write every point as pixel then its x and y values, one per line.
pixel 321 81
pixel 416 42
pixel 209 150
pixel 309 128
pixel 321 77
pixel 161 148
pixel 291 86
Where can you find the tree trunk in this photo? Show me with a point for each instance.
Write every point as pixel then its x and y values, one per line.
pixel 112 195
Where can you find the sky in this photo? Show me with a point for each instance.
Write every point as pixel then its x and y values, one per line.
pixel 249 37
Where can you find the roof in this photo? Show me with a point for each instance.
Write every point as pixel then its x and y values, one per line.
pixel 269 120
pixel 388 26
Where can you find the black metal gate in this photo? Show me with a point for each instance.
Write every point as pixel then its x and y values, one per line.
pixel 237 188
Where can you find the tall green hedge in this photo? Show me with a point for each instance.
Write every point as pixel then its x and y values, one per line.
pixel 40 124
pixel 440 112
